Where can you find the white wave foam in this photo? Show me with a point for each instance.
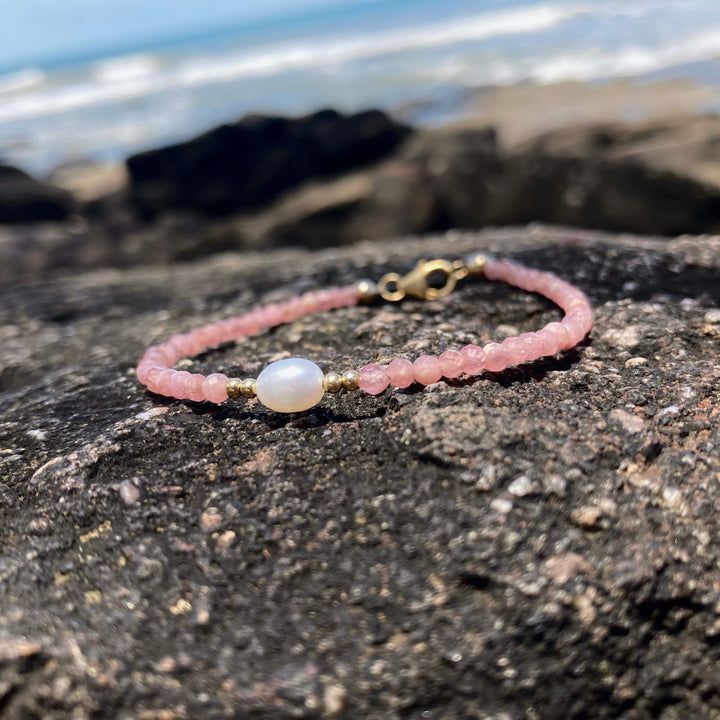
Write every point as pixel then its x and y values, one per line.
pixel 627 61
pixel 303 56
pixel 22 80
pixel 128 68
pixel 136 76
pixel 140 76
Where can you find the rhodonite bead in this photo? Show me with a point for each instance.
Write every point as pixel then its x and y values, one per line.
pixel 178 384
pixel 548 343
pixel 515 348
pixel 428 369
pixel 215 388
pixel 400 373
pixel 291 385
pixel 558 332
pixel 496 357
pixel 152 377
pixel 373 379
pixel 162 385
pixel 473 359
pixel 194 387
pixel 451 363
pixel 533 346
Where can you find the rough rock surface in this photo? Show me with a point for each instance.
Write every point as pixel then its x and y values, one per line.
pixel 687 146
pixel 537 544
pixel 249 163
pixel 25 200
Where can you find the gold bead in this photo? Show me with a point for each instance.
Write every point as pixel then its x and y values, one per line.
pixel 234 387
pixel 367 291
pixel 247 388
pixel 476 263
pixel 350 379
pixel 332 382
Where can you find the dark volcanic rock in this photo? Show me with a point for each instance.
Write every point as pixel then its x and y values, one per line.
pixel 535 544
pixel 435 180
pixel 25 200
pixel 452 178
pixel 686 145
pixel 248 164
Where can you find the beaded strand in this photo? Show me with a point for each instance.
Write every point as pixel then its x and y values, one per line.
pixel 296 384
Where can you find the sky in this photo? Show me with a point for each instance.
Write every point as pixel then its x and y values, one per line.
pixel 45 31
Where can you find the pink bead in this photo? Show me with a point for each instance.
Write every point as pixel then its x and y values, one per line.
pixel 195 342
pixel 451 363
pixel 143 368
pixel 152 378
pixel 194 387
pixel 156 356
pixel 215 388
pixel 574 332
pixel 549 342
pixel 178 385
pixel 162 386
pixel 559 332
pixel 348 296
pixel 274 314
pixel 515 348
pixel 496 357
pixel 473 359
pixel 293 309
pixel 494 269
pixel 373 379
pixel 582 315
pixel 427 369
pixel 240 326
pixel 533 345
pixel 170 354
pixel 400 372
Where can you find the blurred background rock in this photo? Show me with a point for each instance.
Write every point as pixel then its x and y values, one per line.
pixel 198 131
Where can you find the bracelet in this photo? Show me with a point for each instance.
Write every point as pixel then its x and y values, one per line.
pixel 296 384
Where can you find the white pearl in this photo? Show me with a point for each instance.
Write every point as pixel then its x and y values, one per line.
pixel 290 385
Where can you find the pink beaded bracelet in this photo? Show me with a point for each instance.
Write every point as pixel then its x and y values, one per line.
pixel 296 384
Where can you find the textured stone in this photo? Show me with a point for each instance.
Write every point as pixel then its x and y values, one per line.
pixel 376 557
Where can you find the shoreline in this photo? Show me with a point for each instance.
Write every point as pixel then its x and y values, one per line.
pixel 562 155
pixel 519 112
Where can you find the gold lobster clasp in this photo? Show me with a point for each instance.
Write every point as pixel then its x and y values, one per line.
pixel 428 280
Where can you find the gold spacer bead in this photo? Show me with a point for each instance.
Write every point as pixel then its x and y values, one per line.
pixel 367 291
pixel 350 379
pixel 234 387
pixel 476 263
pixel 247 388
pixel 332 382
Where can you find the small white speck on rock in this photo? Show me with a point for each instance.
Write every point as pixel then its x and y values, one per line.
pixel 501 505
pixel 672 496
pixel 211 520
pixel 129 492
pixel 587 516
pixel 507 331
pixel 522 486
pixel 334 699
pixel 712 317
pixel 555 484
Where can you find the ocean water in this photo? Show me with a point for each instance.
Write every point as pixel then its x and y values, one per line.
pixel 100 81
